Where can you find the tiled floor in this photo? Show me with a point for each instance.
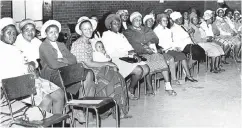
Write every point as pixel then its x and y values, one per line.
pixel 215 101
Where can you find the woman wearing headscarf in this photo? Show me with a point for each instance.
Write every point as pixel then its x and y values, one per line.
pixel 124 16
pixel 149 21
pixel 228 38
pixel 83 51
pixel 140 38
pixel 203 36
pixel 117 46
pixel 165 41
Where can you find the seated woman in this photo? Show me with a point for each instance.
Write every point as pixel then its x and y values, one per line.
pixel 165 41
pixel 83 51
pixel 45 96
pixel 237 21
pixel 54 55
pixel 182 41
pixel 117 46
pixel 228 38
pixel 140 38
pixel 149 21
pixel 26 41
pixel 203 36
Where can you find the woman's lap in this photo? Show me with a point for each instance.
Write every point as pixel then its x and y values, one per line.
pixel 177 55
pixel 156 61
pixel 210 49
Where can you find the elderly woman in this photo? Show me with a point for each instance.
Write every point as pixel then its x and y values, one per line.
pixel 26 41
pixel 149 21
pixel 15 62
pixel 54 55
pixel 228 37
pixel 83 51
pixel 140 38
pixel 203 36
pixel 122 48
pixel 182 40
pixel 165 41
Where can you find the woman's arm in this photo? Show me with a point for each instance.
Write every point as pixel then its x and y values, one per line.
pixel 50 57
pixel 68 55
pixel 135 43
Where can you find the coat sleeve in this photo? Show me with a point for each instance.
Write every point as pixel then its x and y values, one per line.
pixel 135 43
pixel 68 55
pixel 50 57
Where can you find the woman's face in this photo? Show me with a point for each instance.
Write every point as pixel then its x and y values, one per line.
pixel 185 15
pixel 28 32
pixel 195 20
pixel 149 23
pixel 115 25
pixel 164 21
pixel 229 14
pixel 137 21
pixel 178 21
pixel 124 17
pixel 9 34
pixel 52 33
pixel 86 29
pixel 220 13
pixel 236 15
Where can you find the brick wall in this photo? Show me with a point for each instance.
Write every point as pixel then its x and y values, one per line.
pixel 69 11
pixel 6 9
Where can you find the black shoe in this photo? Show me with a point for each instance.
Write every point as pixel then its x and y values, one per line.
pixel 224 62
pixel 190 79
pixel 214 71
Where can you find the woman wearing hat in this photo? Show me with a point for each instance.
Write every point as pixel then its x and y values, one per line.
pixel 118 46
pixel 124 16
pixel 203 36
pixel 83 50
pixel 54 55
pixel 140 38
pixel 237 20
pixel 149 21
pixel 228 38
pixel 165 41
pixel 26 41
pixel 15 65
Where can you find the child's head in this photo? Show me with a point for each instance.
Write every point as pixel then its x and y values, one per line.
pixel 99 47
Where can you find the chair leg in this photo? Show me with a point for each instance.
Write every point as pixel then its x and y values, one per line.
pixel 197 67
pixel 145 85
pixel 155 82
pixel 97 117
pixel 86 117
pixel 207 63
pixel 138 90
pixel 117 113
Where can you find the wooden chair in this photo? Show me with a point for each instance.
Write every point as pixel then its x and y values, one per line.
pixel 73 74
pixel 16 88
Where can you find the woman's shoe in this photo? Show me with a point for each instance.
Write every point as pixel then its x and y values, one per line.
pixel 171 92
pixel 131 96
pixel 220 69
pixel 224 62
pixel 214 71
pixel 175 82
pixel 190 79
pixel 125 116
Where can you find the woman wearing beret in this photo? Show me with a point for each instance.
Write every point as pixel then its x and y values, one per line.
pixel 140 38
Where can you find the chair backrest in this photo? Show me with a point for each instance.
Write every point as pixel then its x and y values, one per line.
pixel 72 74
pixel 19 87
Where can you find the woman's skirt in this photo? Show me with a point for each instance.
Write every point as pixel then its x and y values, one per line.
pixel 197 51
pixel 126 68
pixel 177 55
pixel 156 62
pixel 227 40
pixel 212 49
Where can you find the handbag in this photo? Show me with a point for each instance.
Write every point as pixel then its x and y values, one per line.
pixel 129 60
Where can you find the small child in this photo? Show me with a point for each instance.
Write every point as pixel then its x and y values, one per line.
pixel 99 54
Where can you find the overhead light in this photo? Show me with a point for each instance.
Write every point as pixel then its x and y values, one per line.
pixel 162 1
pixel 220 1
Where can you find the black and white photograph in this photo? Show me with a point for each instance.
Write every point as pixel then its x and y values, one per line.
pixel 120 63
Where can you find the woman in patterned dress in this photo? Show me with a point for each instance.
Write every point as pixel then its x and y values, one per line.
pixel 140 38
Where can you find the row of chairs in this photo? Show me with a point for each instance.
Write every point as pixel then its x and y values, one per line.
pixel 24 86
